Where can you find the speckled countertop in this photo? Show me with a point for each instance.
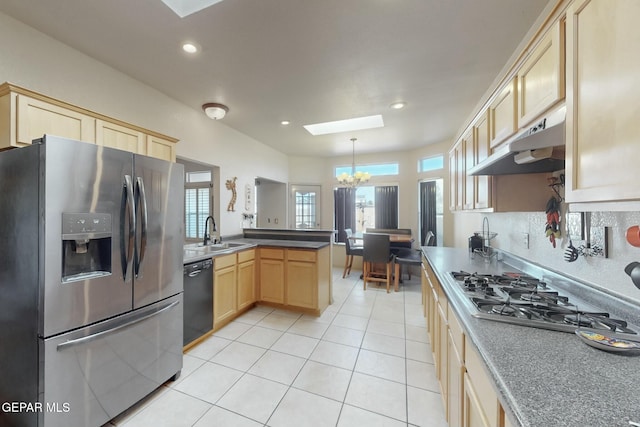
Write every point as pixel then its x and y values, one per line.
pixel 189 256
pixel 544 378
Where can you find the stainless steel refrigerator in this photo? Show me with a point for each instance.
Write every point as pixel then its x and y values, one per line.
pixel 90 281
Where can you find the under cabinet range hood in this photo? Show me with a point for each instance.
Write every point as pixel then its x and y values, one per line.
pixel 537 149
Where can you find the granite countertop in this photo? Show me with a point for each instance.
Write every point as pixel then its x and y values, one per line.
pixel 191 256
pixel 543 378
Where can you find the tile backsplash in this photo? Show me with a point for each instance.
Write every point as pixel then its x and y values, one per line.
pixel 605 273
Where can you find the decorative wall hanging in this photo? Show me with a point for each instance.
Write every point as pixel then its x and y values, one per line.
pixel 231 185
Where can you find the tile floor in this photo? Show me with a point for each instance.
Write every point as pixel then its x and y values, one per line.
pixel 365 361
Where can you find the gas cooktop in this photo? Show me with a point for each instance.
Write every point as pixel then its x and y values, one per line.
pixel 524 300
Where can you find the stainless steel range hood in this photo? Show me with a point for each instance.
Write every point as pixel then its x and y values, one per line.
pixel 535 150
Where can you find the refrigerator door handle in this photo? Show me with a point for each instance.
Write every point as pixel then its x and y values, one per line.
pixel 101 334
pixel 143 223
pixel 128 203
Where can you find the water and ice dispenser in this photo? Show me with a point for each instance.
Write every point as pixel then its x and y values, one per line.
pixel 86 246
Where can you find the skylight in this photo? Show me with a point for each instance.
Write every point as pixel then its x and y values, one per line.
pixel 358 123
pixel 184 8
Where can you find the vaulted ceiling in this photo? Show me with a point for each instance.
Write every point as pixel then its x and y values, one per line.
pixel 305 61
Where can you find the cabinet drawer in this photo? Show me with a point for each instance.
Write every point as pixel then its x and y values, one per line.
pixel 224 261
pixel 247 255
pixel 271 253
pixel 297 255
pixel 455 330
pixel 478 376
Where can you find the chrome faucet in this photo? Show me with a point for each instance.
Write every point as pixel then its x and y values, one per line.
pixel 207 237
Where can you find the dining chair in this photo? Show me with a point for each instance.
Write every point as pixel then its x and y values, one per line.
pixel 409 257
pixel 351 249
pixel 376 250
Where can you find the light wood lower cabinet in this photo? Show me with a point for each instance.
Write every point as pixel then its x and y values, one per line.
pixel 272 275
pixel 302 278
pixel 246 278
pixel 224 288
pixel 469 397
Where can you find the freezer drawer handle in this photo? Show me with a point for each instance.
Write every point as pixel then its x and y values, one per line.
pixel 92 337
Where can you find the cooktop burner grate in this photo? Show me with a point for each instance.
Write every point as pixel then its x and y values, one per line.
pixel 524 300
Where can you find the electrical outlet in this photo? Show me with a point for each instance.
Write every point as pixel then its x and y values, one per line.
pixel 525 240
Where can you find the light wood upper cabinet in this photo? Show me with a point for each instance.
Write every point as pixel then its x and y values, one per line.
pixel 541 77
pixel 468 147
pixel 502 114
pixel 117 136
pixel 602 148
pixel 26 115
pixel 161 148
pixel 36 118
pixel 481 149
pixel 453 179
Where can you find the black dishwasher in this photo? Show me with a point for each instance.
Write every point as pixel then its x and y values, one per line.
pixel 198 299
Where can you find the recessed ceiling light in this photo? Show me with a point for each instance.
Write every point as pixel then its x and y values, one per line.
pixel 398 105
pixel 285 122
pixel 190 48
pixel 349 125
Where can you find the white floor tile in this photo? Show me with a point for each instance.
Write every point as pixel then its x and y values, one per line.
pixel 419 351
pixel 260 337
pixel 382 366
pixel 345 336
pixel 209 382
pixel 342 356
pixel 296 345
pixel 308 328
pixel 171 409
pixel 217 416
pixel 293 411
pixel 422 375
pixel 253 397
pixel 356 310
pixel 417 333
pixel 382 327
pixel 277 321
pixel 384 344
pixel 378 395
pixel 425 408
pixel 325 380
pixel 352 416
pixel 189 364
pixel 233 330
pixel 279 367
pixel 209 348
pixel 238 356
pixel 352 322
pixel 252 317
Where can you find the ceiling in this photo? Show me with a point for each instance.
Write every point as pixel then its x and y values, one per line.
pixel 305 61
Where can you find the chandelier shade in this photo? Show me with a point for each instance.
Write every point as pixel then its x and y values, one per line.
pixel 356 177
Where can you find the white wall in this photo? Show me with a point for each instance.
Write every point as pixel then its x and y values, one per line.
pixel 40 63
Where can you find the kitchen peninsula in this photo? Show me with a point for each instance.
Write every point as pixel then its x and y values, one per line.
pixel 287 269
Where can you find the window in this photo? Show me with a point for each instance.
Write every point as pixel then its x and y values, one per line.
pixel 428 164
pixel 374 170
pixel 365 207
pixel 197 203
pixel 305 209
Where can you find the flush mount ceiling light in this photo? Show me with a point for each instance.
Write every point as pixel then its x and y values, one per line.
pixel 285 123
pixel 190 48
pixel 349 125
pixel 398 105
pixel 214 110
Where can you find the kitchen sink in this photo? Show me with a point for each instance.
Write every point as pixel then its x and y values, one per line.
pixel 200 249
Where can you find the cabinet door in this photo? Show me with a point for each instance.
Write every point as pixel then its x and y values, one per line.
pixel 116 136
pixel 453 179
pixel 482 149
pixel 541 77
pixel 455 385
pixel 443 368
pixel 272 280
pixel 161 148
pixel 224 294
pixel 502 114
pixel 473 414
pixel 468 146
pixel 246 284
pixel 302 284
pixel 36 118
pixel 602 148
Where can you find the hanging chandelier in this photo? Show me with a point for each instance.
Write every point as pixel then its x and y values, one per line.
pixel 355 178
